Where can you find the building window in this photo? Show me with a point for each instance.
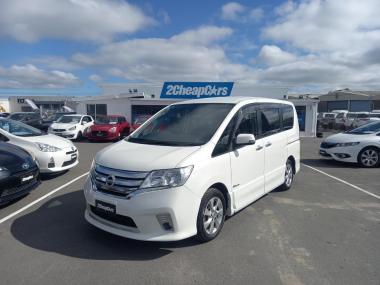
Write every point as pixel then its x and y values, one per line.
pixel 96 109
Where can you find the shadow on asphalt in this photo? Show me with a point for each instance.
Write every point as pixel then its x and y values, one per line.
pixel 50 176
pixel 59 226
pixel 329 163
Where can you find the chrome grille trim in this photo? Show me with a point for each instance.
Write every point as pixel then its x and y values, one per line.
pixel 125 181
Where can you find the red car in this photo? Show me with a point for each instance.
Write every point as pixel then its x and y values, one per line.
pixel 139 121
pixel 108 128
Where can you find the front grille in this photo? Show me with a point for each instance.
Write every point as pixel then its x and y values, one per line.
pixel 99 133
pixel 328 145
pixel 66 163
pixel 117 182
pixel 114 218
pixel 59 130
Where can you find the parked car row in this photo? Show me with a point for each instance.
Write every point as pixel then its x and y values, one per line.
pixel 344 120
pixel 26 151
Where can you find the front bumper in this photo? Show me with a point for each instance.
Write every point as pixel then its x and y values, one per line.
pixel 15 187
pixel 180 204
pixel 105 136
pixel 63 160
pixel 345 154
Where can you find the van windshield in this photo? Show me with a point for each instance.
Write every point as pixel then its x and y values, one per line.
pixel 183 125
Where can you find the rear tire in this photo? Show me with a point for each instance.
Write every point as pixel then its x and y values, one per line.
pixel 369 157
pixel 211 215
pixel 289 175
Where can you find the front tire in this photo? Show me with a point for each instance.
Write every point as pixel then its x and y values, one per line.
pixel 79 136
pixel 369 157
pixel 211 215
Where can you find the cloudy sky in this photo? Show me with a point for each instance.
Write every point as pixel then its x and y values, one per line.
pixel 71 46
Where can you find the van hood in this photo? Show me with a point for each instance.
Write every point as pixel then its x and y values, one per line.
pixel 142 157
pixel 345 137
pixel 50 139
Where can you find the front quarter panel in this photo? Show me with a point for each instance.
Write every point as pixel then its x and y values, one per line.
pixel 208 171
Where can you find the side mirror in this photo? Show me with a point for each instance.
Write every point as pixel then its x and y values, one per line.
pixel 245 139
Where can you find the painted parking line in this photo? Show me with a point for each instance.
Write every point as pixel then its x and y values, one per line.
pixel 41 198
pixel 342 181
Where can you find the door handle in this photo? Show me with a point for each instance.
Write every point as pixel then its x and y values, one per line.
pixel 259 147
pixel 268 144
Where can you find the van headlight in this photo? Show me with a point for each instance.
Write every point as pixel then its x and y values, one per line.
pixel 166 178
pixel 47 147
pixel 347 144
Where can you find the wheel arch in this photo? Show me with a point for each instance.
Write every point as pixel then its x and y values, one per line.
pixel 222 188
pixel 293 160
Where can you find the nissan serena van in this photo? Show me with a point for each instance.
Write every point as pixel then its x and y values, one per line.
pixel 191 165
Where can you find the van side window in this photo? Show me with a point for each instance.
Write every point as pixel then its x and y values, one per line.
pixel 287 117
pixel 223 145
pixel 248 123
pixel 270 121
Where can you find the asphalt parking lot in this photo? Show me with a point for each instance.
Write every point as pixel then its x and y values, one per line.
pixel 325 230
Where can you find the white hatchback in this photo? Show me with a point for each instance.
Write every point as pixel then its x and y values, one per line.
pixel 52 153
pixel 191 165
pixel 360 145
pixel 71 126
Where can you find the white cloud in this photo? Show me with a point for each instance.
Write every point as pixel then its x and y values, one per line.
pixel 329 25
pixel 336 43
pixel 54 62
pixel 29 76
pixel 285 8
pixel 96 20
pixel 95 78
pixel 203 35
pixel 273 55
pixel 232 11
pixel 191 55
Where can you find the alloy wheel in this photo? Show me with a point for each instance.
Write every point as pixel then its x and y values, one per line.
pixel 288 175
pixel 369 157
pixel 213 215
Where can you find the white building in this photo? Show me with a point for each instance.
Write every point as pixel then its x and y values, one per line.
pixel 133 99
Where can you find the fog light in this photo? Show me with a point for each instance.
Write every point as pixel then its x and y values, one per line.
pixel 342 155
pixel 165 221
pixel 51 163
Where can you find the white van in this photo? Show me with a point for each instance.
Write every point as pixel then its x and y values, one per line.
pixel 192 164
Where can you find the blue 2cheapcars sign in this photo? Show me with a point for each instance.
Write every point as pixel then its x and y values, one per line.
pixel 193 90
